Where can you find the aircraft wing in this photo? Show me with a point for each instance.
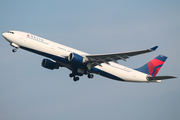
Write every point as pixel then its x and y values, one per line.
pixel 159 77
pixel 105 58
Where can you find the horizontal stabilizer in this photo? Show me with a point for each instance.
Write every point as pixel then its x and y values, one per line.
pixel 160 77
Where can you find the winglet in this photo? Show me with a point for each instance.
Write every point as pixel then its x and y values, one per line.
pixel 153 48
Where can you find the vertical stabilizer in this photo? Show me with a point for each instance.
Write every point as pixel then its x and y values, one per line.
pixel 153 67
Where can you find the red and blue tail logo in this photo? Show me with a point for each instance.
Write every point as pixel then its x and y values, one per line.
pixel 153 67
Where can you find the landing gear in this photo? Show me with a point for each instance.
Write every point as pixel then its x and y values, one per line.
pixel 76 78
pixel 14 50
pixel 90 75
pixel 15 47
pixel 71 75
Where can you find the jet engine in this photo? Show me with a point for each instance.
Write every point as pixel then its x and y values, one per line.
pixel 49 64
pixel 73 57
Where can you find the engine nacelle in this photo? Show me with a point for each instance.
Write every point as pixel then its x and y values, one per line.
pixel 49 64
pixel 73 57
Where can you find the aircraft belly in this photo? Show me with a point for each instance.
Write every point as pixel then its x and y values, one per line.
pixel 119 72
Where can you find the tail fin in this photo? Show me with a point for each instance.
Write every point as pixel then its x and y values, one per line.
pixel 153 67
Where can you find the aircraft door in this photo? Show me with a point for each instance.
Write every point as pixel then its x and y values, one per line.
pixel 53 46
pixel 133 73
pixel 22 37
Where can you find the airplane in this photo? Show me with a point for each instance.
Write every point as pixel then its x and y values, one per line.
pixel 81 63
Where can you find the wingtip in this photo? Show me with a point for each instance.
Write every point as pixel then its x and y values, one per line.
pixel 154 48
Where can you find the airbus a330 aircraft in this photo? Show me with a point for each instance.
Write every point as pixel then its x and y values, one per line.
pixel 81 63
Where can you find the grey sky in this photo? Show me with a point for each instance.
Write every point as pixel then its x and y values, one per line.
pixel 29 91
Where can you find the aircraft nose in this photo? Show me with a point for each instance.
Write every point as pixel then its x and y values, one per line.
pixel 4 35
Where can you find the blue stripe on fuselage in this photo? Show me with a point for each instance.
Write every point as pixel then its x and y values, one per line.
pixel 54 57
pixel 64 60
pixel 105 74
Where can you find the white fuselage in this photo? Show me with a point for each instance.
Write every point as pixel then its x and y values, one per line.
pixel 48 48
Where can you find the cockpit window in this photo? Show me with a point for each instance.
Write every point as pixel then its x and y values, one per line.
pixel 10 32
